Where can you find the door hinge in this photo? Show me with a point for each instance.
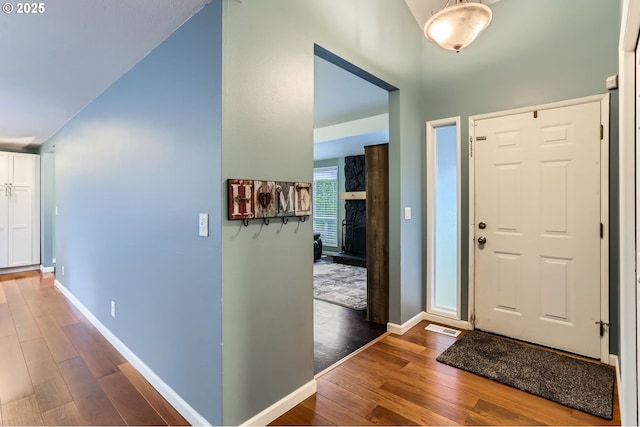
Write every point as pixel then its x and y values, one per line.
pixel 603 327
pixel 601 132
pixel 470 146
pixel 473 320
pixel 535 114
pixel 601 230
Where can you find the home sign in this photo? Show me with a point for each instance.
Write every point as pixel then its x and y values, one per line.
pixel 249 199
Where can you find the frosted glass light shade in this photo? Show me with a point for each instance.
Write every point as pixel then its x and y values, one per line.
pixel 455 27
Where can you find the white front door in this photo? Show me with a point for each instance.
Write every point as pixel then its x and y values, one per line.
pixel 537 208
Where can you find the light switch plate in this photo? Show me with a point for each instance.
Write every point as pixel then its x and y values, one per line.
pixel 203 225
pixel 407 213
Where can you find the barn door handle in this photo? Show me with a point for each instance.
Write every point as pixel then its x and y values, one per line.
pixel 482 240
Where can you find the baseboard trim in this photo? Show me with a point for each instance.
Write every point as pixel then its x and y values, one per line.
pixel 460 324
pixel 44 269
pixel 167 392
pixel 283 405
pixel 615 362
pixel 19 269
pixel 401 329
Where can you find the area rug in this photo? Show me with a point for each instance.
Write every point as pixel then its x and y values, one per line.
pixel 341 284
pixel 579 384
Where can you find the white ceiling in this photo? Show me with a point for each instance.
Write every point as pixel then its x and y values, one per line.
pixel 57 62
pixel 348 146
pixel 341 96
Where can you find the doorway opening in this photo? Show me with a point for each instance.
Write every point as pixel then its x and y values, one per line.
pixel 351 110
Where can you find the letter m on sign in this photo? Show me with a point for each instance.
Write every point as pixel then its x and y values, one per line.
pixel 285 199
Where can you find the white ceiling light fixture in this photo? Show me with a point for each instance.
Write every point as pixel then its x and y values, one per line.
pixel 455 27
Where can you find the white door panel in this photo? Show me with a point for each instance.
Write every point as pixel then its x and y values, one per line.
pixel 537 189
pixel 4 168
pixel 4 227
pixel 21 229
pixel 21 170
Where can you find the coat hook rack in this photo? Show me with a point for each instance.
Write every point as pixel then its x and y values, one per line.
pixel 266 221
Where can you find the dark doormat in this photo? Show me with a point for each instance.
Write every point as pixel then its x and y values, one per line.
pixel 579 384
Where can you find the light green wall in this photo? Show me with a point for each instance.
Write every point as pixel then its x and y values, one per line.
pixel 339 162
pixel 268 134
pixel 533 53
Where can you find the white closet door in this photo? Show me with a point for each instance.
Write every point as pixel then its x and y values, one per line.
pixel 4 169
pixel 21 226
pixel 21 171
pixel 19 210
pixel 4 226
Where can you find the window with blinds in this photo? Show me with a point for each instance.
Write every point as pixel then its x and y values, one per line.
pixel 325 204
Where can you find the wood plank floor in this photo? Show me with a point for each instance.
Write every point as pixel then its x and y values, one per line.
pixel 57 369
pixel 397 381
pixel 339 331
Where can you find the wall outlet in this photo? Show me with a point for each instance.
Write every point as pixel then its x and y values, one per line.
pixel 203 225
pixel 113 309
pixel 62 270
pixel 53 260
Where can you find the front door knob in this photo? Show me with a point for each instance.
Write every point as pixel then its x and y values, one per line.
pixel 482 240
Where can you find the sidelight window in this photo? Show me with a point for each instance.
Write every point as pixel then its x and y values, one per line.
pixel 443 218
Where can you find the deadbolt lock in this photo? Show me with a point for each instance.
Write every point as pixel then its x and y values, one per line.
pixel 482 225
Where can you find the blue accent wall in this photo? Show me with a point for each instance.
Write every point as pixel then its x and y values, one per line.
pixel 133 171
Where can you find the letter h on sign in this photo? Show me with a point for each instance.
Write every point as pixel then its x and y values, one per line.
pixel 241 201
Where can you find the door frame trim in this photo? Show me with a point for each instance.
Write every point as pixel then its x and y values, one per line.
pixel 628 161
pixel 431 127
pixel 604 100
